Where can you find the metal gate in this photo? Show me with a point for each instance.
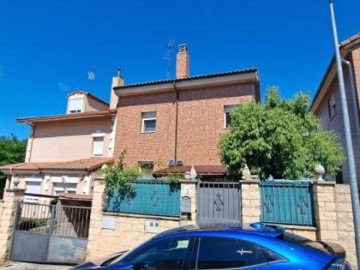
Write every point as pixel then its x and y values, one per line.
pixel 219 203
pixel 50 233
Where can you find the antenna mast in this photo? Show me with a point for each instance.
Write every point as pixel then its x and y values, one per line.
pixel 168 57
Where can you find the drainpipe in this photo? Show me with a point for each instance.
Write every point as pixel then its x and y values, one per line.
pixel 353 95
pixel 176 118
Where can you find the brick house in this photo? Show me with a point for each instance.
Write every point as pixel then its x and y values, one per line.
pixel 326 104
pixel 169 125
pixel 64 151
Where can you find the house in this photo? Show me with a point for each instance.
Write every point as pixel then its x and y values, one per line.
pixel 168 126
pixel 326 105
pixel 164 127
pixel 64 151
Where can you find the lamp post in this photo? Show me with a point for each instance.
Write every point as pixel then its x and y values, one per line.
pixel 348 138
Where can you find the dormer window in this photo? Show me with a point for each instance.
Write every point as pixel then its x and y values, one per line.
pixel 76 105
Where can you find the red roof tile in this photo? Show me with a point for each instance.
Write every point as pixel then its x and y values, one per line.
pixel 200 170
pixel 71 116
pixel 89 164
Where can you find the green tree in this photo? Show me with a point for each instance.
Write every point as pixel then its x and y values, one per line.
pixel 12 150
pixel 118 178
pixel 279 138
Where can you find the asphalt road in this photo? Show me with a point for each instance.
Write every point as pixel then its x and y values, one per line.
pixel 31 266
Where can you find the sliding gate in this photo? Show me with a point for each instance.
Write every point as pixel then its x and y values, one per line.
pixel 50 233
pixel 219 203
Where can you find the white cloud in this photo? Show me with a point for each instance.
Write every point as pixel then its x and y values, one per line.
pixel 62 86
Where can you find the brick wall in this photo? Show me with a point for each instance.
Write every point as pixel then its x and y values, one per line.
pixel 200 125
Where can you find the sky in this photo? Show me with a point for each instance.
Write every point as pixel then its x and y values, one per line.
pixel 48 46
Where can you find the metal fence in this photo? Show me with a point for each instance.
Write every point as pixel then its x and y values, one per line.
pixel 67 221
pixel 219 203
pixel 287 201
pixel 153 197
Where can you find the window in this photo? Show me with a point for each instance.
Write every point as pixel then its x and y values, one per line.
pixel 163 255
pixel 221 253
pixel 148 122
pixel 98 145
pixel 76 105
pixel 332 106
pixel 146 168
pixel 227 115
pixel 64 188
pixel 33 187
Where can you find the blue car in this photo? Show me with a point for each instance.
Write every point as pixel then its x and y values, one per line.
pixel 258 247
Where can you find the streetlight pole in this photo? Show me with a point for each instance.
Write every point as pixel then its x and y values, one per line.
pixel 348 138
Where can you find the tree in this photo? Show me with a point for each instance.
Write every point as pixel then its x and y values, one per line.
pixel 12 150
pixel 280 138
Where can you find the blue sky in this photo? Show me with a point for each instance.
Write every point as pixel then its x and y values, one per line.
pixel 47 46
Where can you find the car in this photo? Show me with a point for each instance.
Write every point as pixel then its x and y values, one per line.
pixel 257 246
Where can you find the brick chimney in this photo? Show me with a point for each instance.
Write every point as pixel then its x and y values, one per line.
pixel 118 80
pixel 182 62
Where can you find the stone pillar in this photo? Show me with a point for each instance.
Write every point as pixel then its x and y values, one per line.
pixel 334 216
pixel 95 219
pixel 250 201
pixel 325 211
pixel 188 192
pixel 11 197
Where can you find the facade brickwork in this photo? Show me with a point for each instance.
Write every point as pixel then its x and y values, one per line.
pixel 193 133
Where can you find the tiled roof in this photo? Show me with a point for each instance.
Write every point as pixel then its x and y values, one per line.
pixel 79 197
pixel 89 164
pixel 79 91
pixel 190 78
pixel 343 45
pixel 200 170
pixel 66 116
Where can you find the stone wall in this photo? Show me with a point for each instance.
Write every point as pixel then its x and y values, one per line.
pixel 113 232
pixel 8 210
pixel 332 213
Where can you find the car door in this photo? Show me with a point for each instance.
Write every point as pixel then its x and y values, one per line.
pixel 227 253
pixel 171 253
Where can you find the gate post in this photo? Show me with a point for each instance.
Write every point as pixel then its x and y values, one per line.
pixel 250 201
pixel 11 198
pixel 188 196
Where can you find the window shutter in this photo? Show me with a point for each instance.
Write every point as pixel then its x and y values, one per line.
pixel 75 105
pixel 98 146
pixel 33 187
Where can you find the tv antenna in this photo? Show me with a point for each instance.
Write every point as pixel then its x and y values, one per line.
pixel 168 57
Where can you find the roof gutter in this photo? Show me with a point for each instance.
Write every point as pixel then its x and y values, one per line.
pixel 187 84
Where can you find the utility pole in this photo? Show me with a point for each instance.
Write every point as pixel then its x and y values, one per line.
pixel 348 137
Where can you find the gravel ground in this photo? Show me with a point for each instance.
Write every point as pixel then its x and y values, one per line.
pixel 32 266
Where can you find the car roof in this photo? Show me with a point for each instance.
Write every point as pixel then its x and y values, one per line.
pixel 255 228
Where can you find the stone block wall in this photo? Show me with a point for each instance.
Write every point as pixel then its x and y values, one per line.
pixel 332 214
pixel 113 232
pixel 8 210
pixel 334 217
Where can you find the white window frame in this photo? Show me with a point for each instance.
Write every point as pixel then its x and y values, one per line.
pixel 64 188
pixel 76 105
pixel 332 106
pixel 98 144
pixel 227 110
pixel 148 116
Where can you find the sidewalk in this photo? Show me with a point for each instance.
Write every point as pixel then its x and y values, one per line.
pixel 31 266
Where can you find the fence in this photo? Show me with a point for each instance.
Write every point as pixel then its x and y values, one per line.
pixel 153 197
pixel 287 202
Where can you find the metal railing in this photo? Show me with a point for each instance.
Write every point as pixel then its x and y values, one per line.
pixel 67 221
pixel 153 197
pixel 287 202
